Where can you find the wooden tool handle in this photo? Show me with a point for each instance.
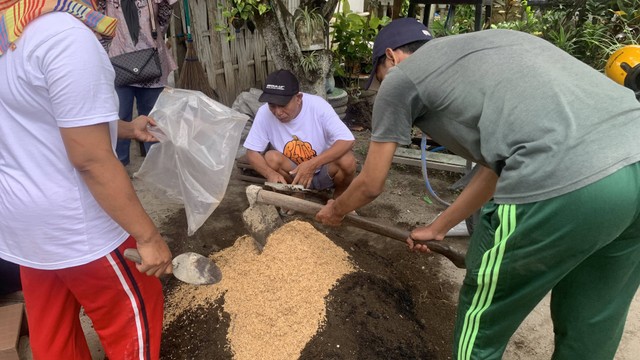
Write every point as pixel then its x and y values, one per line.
pixel 133 255
pixel 310 208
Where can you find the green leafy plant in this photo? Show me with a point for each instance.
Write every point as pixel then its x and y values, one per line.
pixel 310 62
pixel 590 31
pixel 238 12
pixel 459 22
pixel 352 40
pixel 599 29
pixel 404 8
pixel 564 36
pixel 311 28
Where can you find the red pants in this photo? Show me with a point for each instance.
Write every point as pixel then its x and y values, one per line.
pixel 125 306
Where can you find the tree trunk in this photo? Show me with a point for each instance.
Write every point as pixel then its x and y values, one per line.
pixel 277 30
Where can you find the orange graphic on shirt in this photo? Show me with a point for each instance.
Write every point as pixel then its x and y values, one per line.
pixel 298 151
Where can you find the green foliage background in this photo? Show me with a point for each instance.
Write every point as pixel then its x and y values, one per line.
pixel 590 30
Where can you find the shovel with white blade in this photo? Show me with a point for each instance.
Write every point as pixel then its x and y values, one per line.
pixel 189 267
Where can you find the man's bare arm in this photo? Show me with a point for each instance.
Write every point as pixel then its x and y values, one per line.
pixel 89 150
pixel 365 188
pixel 477 193
pixel 260 165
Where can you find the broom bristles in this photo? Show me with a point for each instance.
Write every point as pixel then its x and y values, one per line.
pixel 193 76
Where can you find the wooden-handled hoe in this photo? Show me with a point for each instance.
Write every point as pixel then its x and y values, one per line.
pixel 262 218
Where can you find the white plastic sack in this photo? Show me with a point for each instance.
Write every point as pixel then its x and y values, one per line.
pixel 192 163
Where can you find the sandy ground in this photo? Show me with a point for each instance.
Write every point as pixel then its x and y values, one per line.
pixel 532 341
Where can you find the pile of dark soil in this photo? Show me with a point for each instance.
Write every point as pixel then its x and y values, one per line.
pixel 392 308
pixel 384 311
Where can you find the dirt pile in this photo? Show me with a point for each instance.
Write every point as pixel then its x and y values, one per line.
pixel 275 300
pixel 397 305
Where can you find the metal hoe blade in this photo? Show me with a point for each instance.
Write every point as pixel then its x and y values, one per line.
pixel 196 269
pixel 286 187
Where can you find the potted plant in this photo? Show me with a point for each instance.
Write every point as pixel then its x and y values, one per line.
pixel 240 12
pixel 310 28
pixel 352 37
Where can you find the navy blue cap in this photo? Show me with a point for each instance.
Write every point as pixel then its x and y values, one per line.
pixel 281 86
pixel 397 33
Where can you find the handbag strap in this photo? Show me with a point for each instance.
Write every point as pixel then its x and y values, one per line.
pixel 152 17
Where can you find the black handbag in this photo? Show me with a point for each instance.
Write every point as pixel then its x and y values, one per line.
pixel 137 67
pixel 140 66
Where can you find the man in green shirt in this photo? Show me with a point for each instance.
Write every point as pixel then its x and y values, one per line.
pixel 559 180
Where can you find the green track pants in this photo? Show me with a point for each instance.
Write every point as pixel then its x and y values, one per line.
pixel 583 246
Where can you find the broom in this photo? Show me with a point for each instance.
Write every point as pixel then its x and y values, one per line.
pixel 192 75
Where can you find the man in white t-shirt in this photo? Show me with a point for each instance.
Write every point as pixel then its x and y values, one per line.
pixel 67 207
pixel 297 138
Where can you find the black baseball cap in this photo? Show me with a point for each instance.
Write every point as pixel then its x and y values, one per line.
pixel 280 87
pixel 397 33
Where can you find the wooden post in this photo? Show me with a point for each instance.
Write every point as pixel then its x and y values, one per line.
pixel 397 6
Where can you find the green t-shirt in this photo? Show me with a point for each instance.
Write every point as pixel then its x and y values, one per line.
pixel 545 122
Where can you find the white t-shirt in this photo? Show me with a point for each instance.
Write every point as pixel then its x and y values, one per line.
pixel 317 124
pixel 57 77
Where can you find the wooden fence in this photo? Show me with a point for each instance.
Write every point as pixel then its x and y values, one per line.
pixel 232 65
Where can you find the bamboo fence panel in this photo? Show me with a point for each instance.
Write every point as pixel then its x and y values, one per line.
pixel 232 65
pixel 246 75
pixel 218 83
pixel 260 63
pixel 249 48
pixel 200 33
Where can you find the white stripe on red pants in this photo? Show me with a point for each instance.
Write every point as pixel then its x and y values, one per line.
pixel 124 305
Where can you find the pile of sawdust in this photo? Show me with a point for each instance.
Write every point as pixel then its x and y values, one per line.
pixel 276 300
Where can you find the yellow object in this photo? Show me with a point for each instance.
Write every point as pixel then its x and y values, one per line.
pixel 298 151
pixel 623 67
